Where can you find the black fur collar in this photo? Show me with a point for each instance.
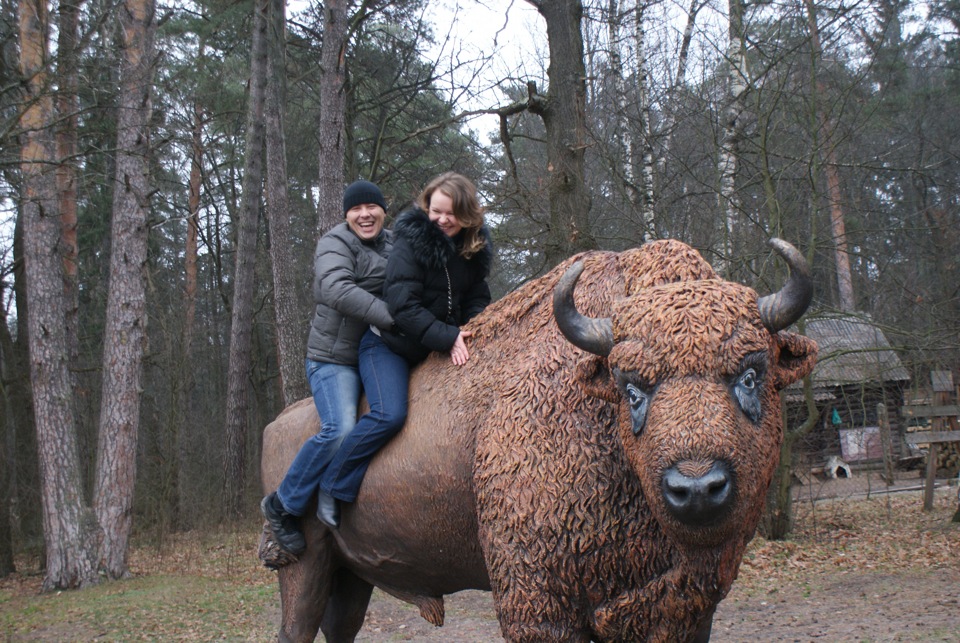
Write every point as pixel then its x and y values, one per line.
pixel 432 248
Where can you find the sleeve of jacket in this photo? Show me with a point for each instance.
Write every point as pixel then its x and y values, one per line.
pixel 478 296
pixel 403 291
pixel 335 284
pixel 476 299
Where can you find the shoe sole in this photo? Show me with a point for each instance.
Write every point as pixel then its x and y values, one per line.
pixel 294 551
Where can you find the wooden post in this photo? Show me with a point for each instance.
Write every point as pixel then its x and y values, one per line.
pixel 942 384
pixel 931 477
pixel 943 424
pixel 885 442
pixel 932 439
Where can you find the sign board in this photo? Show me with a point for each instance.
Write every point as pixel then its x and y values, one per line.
pixel 862 443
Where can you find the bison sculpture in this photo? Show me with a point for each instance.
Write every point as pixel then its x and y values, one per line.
pixel 600 464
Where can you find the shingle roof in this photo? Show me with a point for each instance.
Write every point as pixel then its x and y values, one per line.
pixel 853 349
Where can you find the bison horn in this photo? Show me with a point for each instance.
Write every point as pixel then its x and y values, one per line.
pixel 780 309
pixel 590 334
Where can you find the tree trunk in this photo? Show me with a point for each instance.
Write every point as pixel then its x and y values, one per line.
pixel 241 323
pixel 289 323
pixel 68 106
pixel 333 100
pixel 69 528
pixel 778 519
pixel 729 152
pixel 125 324
pixel 639 197
pixel 184 381
pixel 26 485
pixel 8 431
pixel 623 160
pixel 670 114
pixel 563 111
pixel 646 140
pixel 829 157
pixel 837 225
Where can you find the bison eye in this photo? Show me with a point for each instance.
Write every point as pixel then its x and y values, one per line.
pixel 638 407
pixel 747 392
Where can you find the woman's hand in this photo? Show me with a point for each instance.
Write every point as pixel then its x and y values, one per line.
pixel 459 353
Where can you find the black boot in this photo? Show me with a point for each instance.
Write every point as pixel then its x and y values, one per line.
pixel 284 526
pixel 328 511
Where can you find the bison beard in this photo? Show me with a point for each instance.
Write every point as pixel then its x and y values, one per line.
pixel 603 494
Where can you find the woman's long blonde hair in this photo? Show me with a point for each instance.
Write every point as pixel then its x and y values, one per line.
pixel 466 207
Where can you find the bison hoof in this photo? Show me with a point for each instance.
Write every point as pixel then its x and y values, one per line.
pixel 698 500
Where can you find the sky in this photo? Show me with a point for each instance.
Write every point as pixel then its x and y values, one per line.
pixel 482 43
pixel 506 39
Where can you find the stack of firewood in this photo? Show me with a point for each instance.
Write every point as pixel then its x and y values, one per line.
pixel 948 460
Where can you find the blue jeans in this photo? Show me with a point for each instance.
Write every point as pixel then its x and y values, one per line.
pixel 336 391
pixel 385 377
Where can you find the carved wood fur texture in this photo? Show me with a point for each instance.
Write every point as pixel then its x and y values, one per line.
pixel 604 497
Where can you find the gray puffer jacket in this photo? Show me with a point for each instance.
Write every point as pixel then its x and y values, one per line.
pixel 347 286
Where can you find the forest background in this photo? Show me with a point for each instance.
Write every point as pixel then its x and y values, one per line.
pixel 166 169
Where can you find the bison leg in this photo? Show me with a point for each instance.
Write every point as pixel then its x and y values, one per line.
pixel 703 632
pixel 533 617
pixel 305 586
pixel 346 607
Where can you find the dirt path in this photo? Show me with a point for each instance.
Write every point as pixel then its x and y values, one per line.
pixel 857 569
pixel 853 606
pixel 856 606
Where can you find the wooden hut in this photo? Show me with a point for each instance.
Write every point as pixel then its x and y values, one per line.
pixel 857 369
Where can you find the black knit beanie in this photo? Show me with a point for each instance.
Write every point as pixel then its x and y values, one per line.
pixel 360 192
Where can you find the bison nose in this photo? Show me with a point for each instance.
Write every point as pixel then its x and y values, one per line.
pixel 695 498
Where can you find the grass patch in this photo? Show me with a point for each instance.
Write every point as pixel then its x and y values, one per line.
pixel 187 588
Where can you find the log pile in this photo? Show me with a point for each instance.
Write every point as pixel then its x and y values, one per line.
pixel 948 460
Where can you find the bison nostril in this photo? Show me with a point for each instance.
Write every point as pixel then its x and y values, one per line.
pixel 677 484
pixel 677 491
pixel 717 485
pixel 698 500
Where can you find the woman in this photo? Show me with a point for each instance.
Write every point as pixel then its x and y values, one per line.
pixel 436 282
pixel 349 269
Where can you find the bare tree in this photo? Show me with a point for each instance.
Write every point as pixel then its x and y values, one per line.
pixel 241 325
pixel 830 170
pixel 24 488
pixel 289 325
pixel 126 320
pixel 333 57
pixel 738 81
pixel 563 111
pixel 680 77
pixel 646 126
pixel 640 196
pixel 8 428
pixel 183 384
pixel 778 517
pixel 68 107
pixel 68 524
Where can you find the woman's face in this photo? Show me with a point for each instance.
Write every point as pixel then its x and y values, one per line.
pixel 441 213
pixel 366 220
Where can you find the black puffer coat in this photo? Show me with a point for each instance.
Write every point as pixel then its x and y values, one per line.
pixel 430 288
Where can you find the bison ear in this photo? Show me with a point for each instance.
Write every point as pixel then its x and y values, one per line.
pixel 798 356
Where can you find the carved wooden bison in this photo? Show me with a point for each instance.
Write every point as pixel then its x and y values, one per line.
pixel 600 463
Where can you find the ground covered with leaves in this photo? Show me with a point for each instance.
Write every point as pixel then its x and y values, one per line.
pixel 877 569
